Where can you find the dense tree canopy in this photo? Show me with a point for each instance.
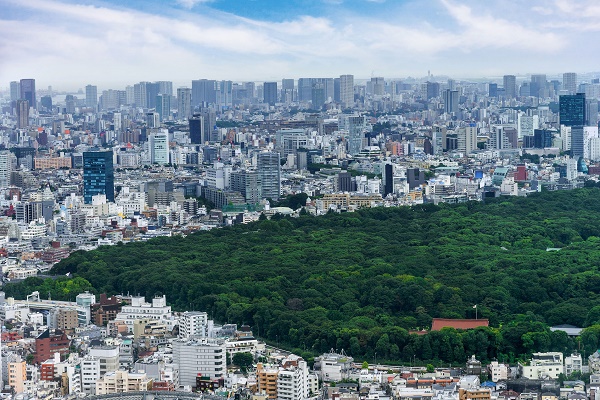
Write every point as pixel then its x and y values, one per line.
pixel 361 281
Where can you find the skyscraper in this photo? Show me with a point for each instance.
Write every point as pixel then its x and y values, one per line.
pixel 184 103
pixel 204 92
pixel 347 90
pixel 572 109
pixel 569 82
pixel 591 112
pixel 318 96
pixel 270 93
pixel 450 101
pixel 15 91
pixel 287 91
pixel 538 86
pixel 22 114
pixel 152 120
pixel 91 96
pixel 467 139
pixel 433 90
pixel 510 86
pixel 139 94
pixel 269 171
pixel 377 86
pixel 165 87
pixel 355 126
pixel 98 175
pixel 163 106
pixel 158 145
pixel 202 125
pixel 27 89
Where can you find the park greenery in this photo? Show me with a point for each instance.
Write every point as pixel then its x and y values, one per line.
pixel 363 281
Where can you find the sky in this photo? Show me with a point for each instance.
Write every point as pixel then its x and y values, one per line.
pixel 111 43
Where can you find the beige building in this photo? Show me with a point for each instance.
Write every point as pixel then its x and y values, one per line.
pixel 267 380
pixel 52 163
pixel 17 374
pixel 474 394
pixel 345 200
pixel 122 382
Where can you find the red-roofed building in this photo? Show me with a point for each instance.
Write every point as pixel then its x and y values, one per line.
pixel 439 323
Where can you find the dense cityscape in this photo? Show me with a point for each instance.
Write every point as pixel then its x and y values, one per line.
pixel 120 165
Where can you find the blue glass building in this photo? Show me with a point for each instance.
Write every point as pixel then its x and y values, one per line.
pixel 98 175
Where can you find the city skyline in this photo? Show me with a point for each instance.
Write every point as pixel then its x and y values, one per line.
pixel 69 44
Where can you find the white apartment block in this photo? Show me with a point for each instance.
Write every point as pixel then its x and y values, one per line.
pixel 90 373
pixel 292 382
pixel 195 324
pixel 107 356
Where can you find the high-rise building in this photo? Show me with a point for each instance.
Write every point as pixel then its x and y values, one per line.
pixel 165 87
pixel 199 357
pixel 572 109
pixel 577 141
pixel 347 90
pixel 46 103
pixel 5 168
pixel 591 112
pixel 15 91
pixel 270 93
pixel 377 86
pixel 467 139
pixel 542 138
pixel 152 120
pixel 27 89
pixel 569 82
pixel 538 86
pixel 355 126
pixel 98 175
pixel 493 90
pixel 152 90
pixel 510 86
pixel 184 103
pixel 22 114
pixel 433 90
pixel 140 95
pixel 287 91
pixel 202 125
pixel 318 95
pixel 450 101
pixel 163 106
pixel 91 96
pixel 225 93
pixel 204 92
pixel 158 145
pixel 388 179
pixel 269 171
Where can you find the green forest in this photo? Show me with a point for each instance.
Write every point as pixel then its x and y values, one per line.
pixel 362 281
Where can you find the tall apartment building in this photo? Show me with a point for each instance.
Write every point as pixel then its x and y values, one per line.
pixel 269 171
pixel 510 86
pixel 347 90
pixel 569 82
pixel 91 96
pixel 195 324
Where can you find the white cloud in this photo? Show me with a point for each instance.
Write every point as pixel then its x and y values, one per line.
pixel 189 4
pixel 70 44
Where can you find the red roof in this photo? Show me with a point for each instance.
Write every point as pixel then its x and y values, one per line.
pixel 439 323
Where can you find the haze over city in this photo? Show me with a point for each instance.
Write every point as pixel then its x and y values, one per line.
pixel 68 44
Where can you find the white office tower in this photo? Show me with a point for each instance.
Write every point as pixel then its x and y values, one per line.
pixel 5 168
pixel 199 356
pixel 347 90
pixel 158 143
pixel 527 124
pixel 467 139
pixel 195 324
pixel 292 380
